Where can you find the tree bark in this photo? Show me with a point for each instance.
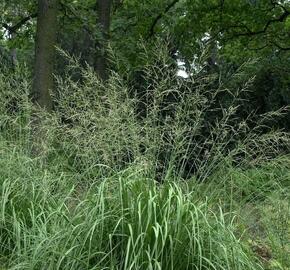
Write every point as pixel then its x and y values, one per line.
pixel 14 57
pixel 13 53
pixel 44 53
pixel 104 18
pixel 43 71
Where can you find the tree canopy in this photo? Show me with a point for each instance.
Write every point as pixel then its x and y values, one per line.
pixel 228 32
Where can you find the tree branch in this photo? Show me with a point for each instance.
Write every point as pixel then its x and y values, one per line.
pixel 117 5
pixel 282 48
pixel 249 32
pixel 159 17
pixel 13 29
pixel 83 21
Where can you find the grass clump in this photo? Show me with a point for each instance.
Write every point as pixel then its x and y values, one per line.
pixel 125 222
pixel 166 175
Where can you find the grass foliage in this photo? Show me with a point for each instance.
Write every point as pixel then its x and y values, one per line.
pixel 124 222
pixel 163 173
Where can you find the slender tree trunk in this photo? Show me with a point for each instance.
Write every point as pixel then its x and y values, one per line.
pixel 14 57
pixel 44 52
pixel 43 71
pixel 104 17
pixel 13 53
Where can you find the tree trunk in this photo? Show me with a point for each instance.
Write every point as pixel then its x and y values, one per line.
pixel 14 57
pixel 43 71
pixel 13 54
pixel 44 52
pixel 104 17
